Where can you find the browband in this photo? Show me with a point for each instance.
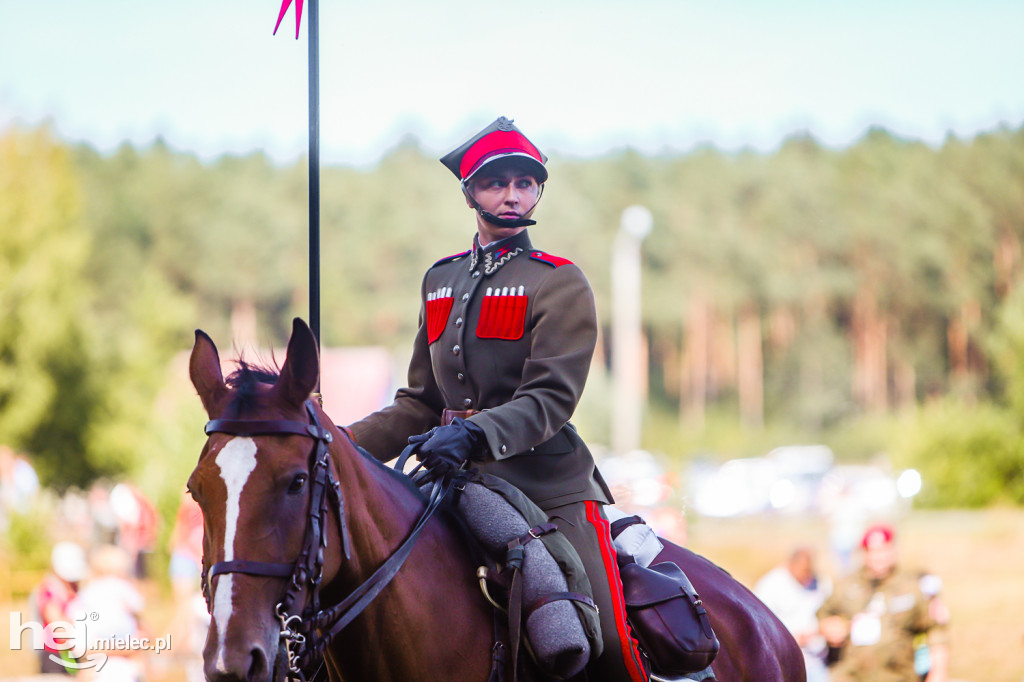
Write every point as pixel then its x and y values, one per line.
pixel 269 427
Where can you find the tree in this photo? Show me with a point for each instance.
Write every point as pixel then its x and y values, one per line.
pixel 45 376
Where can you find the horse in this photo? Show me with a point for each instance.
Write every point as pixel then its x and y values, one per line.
pixel 305 537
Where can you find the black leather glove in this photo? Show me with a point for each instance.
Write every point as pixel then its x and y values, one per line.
pixel 445 448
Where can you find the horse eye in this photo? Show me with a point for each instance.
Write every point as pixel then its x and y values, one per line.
pixel 297 483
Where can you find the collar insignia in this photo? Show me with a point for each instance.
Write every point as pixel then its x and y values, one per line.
pixel 491 264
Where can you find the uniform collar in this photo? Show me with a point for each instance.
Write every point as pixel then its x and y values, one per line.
pixel 493 256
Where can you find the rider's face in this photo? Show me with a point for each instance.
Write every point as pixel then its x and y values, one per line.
pixel 507 193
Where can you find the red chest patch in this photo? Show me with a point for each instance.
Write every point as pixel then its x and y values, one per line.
pixel 439 305
pixel 502 314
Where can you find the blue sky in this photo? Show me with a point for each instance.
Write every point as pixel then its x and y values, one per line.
pixel 580 78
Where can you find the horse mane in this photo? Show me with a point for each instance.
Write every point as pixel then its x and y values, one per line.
pixel 244 383
pixel 398 476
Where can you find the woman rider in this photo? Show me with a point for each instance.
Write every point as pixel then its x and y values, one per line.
pixel 504 346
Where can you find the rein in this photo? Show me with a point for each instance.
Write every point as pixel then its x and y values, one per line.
pixel 305 635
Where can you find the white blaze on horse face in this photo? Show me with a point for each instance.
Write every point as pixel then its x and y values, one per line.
pixel 236 460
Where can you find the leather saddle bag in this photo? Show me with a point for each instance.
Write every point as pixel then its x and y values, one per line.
pixel 667 617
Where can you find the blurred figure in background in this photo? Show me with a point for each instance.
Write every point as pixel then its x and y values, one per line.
pixel 111 594
pixel 931 587
pixel 875 615
pixel 847 519
pixel 56 593
pixel 794 592
pixel 136 519
pixel 18 483
pixel 104 520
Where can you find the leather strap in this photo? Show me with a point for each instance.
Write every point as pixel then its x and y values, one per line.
pixel 514 560
pixel 622 524
pixel 535 533
pixel 558 596
pixel 253 568
pixel 333 620
pixel 498 657
pixel 515 607
pixel 267 427
pixel 448 416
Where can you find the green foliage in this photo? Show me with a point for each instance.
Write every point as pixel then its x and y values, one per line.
pixel 28 535
pixel 968 455
pixel 108 262
pixel 45 379
pixel 1007 347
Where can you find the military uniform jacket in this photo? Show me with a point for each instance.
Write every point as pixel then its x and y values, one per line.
pixel 510 331
pixel 885 616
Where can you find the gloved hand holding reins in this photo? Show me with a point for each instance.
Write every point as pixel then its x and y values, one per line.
pixel 445 448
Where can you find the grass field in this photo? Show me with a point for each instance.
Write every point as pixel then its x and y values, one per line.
pixel 979 555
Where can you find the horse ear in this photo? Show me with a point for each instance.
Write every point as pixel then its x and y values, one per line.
pixel 204 370
pixel 301 370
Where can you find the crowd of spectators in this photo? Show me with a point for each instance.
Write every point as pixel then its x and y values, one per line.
pixel 880 621
pixel 103 543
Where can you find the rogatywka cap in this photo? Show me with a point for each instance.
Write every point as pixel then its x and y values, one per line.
pixel 499 140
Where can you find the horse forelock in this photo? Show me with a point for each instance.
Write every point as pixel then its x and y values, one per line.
pixel 248 385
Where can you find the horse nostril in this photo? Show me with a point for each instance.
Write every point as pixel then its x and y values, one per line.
pixel 258 669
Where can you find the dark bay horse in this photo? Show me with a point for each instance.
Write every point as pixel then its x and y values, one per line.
pixel 298 523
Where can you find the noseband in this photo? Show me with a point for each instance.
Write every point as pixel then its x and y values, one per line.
pixel 306 635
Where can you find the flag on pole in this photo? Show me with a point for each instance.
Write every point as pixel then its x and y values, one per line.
pixel 285 4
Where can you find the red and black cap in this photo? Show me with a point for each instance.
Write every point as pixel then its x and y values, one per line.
pixel 877 534
pixel 500 140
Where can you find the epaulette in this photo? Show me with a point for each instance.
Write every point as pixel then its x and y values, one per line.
pixel 448 259
pixel 553 261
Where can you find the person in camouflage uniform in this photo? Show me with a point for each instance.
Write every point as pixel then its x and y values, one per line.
pixel 874 615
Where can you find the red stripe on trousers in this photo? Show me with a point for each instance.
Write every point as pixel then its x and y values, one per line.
pixel 630 654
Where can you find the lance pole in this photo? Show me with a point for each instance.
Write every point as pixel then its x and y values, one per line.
pixel 314 172
pixel 314 157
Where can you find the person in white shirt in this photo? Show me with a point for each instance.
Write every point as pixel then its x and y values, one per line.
pixel 794 592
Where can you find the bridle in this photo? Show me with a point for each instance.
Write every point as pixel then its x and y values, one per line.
pixel 305 635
